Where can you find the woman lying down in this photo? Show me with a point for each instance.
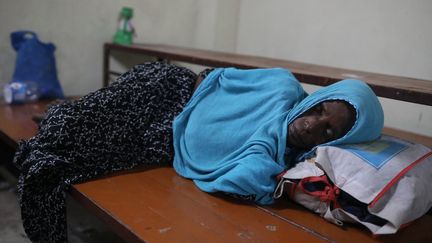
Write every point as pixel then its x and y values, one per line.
pixel 235 133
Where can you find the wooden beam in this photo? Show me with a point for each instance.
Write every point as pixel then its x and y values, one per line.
pixel 394 87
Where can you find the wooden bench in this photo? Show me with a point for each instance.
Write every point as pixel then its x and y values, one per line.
pixel 157 205
pixel 393 87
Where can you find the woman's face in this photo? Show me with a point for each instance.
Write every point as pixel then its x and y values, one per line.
pixel 322 123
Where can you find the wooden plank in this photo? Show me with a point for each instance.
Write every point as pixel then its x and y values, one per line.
pixel 417 232
pixel 414 137
pixel 159 206
pixel 16 121
pixel 394 87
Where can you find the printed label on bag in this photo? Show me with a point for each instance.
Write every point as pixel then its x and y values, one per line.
pixel 376 153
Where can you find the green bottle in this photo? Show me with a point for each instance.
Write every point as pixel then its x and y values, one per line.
pixel 125 30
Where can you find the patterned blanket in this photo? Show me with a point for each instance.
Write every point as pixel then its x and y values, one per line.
pixel 115 128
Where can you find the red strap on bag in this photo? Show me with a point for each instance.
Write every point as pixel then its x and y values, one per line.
pixel 328 195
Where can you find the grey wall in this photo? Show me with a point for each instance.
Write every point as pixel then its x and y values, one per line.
pixel 386 36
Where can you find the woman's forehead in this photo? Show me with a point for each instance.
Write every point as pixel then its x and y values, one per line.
pixel 343 114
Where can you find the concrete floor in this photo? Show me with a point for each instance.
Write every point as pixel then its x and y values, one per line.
pixel 10 220
pixel 83 227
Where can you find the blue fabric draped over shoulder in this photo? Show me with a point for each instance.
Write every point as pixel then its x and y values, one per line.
pixel 231 136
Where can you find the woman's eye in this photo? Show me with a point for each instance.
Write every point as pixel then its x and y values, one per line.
pixel 319 109
pixel 329 133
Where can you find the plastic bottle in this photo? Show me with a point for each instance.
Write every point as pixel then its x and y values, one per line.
pixel 125 30
pixel 21 92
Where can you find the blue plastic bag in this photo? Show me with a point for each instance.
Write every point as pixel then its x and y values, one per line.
pixel 36 63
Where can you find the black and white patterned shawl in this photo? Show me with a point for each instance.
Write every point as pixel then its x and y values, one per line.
pixel 115 128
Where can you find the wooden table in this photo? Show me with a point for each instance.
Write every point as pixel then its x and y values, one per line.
pixel 157 205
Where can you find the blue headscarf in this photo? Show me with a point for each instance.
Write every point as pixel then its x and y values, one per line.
pixel 231 136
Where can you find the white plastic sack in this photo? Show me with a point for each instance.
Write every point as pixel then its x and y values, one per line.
pixel 392 176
